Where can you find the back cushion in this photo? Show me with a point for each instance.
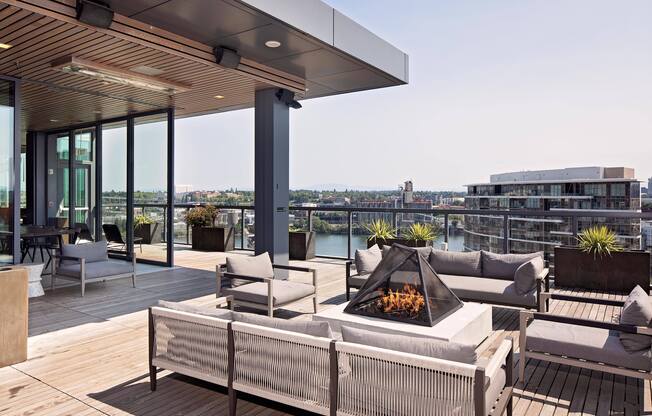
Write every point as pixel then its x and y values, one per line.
pixel 636 311
pixel 451 351
pixel 503 266
pixel 314 328
pixel 92 252
pixel 367 260
pixel 423 251
pixel 452 262
pixel 253 266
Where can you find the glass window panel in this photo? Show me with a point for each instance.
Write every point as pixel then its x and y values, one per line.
pixel 114 179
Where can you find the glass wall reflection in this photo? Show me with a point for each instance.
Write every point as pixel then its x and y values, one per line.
pixel 6 170
pixel 114 185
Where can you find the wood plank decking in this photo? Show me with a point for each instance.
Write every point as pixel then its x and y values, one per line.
pixel 88 356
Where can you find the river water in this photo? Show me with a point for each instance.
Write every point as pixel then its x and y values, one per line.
pixel 335 244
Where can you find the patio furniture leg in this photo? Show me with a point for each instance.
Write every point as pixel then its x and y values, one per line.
pixel 152 369
pixel 270 299
pixel 315 304
pixel 133 276
pixel 524 316
pixel 83 276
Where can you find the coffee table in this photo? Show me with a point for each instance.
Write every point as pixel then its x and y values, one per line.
pixel 471 324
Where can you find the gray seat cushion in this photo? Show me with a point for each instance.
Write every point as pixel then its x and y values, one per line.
pixel 357 280
pixel 451 262
pixel 503 266
pixel 91 252
pixel 97 269
pixel 451 351
pixel 576 341
pixel 367 260
pixel 181 307
pixel 285 291
pixel 526 275
pixel 636 311
pixel 314 328
pixel 488 290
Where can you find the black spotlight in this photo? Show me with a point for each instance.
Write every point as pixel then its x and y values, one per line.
pixel 94 13
pixel 226 57
pixel 287 97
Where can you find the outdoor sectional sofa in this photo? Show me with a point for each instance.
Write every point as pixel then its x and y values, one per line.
pixel 299 363
pixel 478 276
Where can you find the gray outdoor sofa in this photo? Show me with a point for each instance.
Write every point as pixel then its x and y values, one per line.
pixel 299 363
pixel 519 280
pixel 88 263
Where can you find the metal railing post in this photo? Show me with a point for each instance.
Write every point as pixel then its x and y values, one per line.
pixel 309 220
pixel 349 224
pixel 506 233
pixel 242 228
pixel 574 226
pixel 395 220
pixel 446 228
pixel 187 228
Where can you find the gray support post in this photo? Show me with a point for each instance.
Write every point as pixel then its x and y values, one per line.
pixel 15 226
pixel 98 182
pixel 272 133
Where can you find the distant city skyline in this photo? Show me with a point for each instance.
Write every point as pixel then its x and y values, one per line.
pixel 494 87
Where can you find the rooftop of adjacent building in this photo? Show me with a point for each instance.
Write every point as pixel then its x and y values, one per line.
pixel 576 174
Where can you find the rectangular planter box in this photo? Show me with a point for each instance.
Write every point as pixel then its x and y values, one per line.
pixel 620 272
pixel 213 238
pixel 13 315
pixel 401 241
pixel 302 245
pixel 150 233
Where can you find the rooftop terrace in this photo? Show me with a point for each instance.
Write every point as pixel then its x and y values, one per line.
pixel 88 356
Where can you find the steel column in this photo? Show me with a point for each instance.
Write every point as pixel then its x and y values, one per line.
pixel 130 187
pixel 170 185
pixel 272 134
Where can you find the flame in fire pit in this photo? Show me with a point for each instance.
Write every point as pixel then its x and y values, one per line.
pixel 408 300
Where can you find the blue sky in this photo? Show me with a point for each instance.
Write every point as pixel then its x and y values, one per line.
pixel 494 86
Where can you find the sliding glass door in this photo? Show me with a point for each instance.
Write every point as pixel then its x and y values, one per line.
pixel 8 218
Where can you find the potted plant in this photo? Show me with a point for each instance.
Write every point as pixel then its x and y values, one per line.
pixel 420 235
pixel 302 244
pixel 146 228
pixel 206 236
pixel 600 263
pixel 381 233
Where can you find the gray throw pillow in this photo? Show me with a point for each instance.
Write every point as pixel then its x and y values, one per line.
pixel 525 278
pixel 453 262
pixel 367 260
pixel 637 311
pixel 91 252
pixel 253 266
pixel 313 328
pixel 214 312
pixel 451 351
pixel 503 266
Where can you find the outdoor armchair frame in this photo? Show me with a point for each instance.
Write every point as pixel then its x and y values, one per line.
pixel 270 307
pixel 82 279
pixel 527 316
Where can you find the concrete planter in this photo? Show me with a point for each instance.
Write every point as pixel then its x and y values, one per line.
pixel 213 238
pixel 302 245
pixel 620 272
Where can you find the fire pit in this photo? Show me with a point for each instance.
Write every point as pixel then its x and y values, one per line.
pixel 405 288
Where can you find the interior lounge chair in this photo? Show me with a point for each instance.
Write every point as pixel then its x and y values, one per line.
pixel 251 281
pixel 115 240
pixel 618 348
pixel 82 233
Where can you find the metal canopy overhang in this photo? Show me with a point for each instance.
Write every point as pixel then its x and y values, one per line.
pixel 174 39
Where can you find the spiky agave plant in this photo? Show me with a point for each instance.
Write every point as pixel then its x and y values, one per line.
pixel 421 232
pixel 599 241
pixel 379 230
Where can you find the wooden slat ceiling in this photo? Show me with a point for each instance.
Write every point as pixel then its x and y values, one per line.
pixel 68 99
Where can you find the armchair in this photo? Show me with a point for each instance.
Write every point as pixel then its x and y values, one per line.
pixel 584 343
pixel 265 293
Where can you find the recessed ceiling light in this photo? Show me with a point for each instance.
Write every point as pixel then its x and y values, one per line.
pixel 54 120
pixel 219 97
pixel 5 46
pixel 272 44
pixel 97 112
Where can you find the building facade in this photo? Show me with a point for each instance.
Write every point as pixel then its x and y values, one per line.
pixel 578 189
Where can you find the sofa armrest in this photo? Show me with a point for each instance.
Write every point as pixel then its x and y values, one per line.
pixel 500 358
pixel 584 299
pixel 527 316
pixel 68 258
pixel 349 264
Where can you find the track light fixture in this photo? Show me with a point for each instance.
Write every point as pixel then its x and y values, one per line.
pixel 226 57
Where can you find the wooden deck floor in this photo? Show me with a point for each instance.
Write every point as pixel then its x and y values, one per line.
pixel 88 356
